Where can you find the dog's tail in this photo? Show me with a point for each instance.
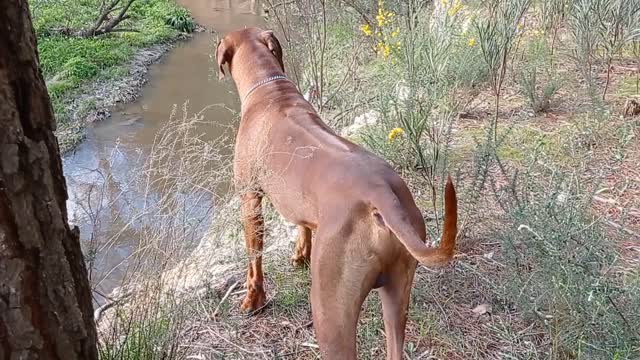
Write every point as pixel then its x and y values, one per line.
pixel 394 216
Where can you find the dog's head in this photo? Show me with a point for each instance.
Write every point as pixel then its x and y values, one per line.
pixel 254 39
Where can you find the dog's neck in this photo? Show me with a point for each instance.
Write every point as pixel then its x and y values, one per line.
pixel 248 85
pixel 260 83
pixel 252 68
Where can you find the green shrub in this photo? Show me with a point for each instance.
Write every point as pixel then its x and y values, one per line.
pixel 538 75
pixel 80 59
pixel 181 20
pixel 497 34
pixel 560 268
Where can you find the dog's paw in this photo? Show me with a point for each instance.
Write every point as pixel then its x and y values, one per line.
pixel 253 301
pixel 299 261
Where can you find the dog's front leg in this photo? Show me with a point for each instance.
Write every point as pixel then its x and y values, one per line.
pixel 302 253
pixel 253 234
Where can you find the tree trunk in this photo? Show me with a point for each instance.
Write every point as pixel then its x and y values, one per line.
pixel 45 298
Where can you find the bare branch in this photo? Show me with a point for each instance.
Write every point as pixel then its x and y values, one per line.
pixel 100 28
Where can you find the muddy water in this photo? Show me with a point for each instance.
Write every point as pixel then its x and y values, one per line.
pixel 103 195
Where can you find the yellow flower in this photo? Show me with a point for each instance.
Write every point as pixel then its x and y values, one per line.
pixel 366 29
pixel 455 8
pixel 394 133
pixel 537 33
pixel 395 33
pixel 444 2
pixel 383 49
pixel 380 18
pixel 471 42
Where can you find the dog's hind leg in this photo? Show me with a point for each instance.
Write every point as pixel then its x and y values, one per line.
pixel 302 252
pixel 253 224
pixel 395 305
pixel 340 282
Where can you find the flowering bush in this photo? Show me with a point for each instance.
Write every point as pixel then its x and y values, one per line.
pixel 385 32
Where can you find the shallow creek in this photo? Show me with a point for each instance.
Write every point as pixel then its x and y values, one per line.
pixel 99 173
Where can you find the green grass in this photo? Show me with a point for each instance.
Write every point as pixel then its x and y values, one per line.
pixel 69 61
pixel 291 287
pixel 629 86
pixel 144 332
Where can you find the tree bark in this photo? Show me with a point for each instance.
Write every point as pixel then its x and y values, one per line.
pixel 45 299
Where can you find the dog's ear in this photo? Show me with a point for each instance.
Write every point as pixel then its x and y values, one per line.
pixel 273 44
pixel 223 56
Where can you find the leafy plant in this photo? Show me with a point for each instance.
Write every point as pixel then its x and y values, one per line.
pixel 552 16
pixel 538 76
pixel 181 20
pixel 560 265
pixel 497 34
pixel 539 99
pixel 602 27
pixel 618 25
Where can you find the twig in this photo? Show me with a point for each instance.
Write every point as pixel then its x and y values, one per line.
pixel 622 228
pixel 622 315
pixel 242 291
pixel 97 314
pixel 224 298
pixel 283 3
pixel 263 306
pixel 234 344
pixel 306 325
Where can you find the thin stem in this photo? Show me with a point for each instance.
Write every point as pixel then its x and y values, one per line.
pixel 606 84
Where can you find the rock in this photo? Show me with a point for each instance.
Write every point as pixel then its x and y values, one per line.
pixel 482 309
pixel 221 252
pixel 403 91
pixel 360 122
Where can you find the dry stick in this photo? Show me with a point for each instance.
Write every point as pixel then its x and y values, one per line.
pixel 234 344
pixel 608 80
pixel 263 306
pixel 306 325
pixel 97 314
pixel 344 79
pixel 622 228
pixel 224 298
pixel 322 53
pixel 295 352
pixel 622 315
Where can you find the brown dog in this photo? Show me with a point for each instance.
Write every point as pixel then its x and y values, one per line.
pixel 369 231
